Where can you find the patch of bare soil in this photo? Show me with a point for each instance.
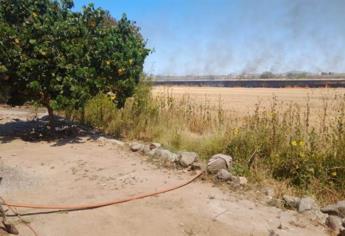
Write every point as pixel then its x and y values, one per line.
pixel 84 170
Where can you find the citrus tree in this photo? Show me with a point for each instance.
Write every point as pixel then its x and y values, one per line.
pixel 61 58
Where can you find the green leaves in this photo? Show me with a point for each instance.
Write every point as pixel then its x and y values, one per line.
pixel 34 85
pixel 32 41
pixel 50 52
pixel 3 69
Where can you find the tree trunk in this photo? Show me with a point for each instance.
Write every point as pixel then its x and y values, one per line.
pixel 45 102
pixel 82 115
pixel 51 115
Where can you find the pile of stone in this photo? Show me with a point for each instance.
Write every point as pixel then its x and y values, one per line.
pixel 300 204
pixel 336 217
pixel 220 165
pixel 332 215
pixel 155 150
pixel 103 140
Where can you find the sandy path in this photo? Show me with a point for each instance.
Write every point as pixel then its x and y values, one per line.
pixel 90 171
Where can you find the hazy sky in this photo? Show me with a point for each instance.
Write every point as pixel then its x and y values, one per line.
pixel 235 36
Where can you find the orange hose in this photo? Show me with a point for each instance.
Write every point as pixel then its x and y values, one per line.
pixel 97 205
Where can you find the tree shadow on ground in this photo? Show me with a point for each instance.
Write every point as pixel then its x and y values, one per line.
pixel 37 130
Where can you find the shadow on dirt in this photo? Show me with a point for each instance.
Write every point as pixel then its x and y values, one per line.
pixel 37 130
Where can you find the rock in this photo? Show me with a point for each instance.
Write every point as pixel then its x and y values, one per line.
pixel 306 204
pixel 242 180
pixel 105 140
pixel 173 157
pixel 275 202
pixel 291 202
pixel 218 162
pixel 151 153
pixel 224 175
pixel 197 166
pixel 316 215
pixel 153 146
pixel 101 139
pixel 116 142
pixel 165 155
pixel 150 149
pixel 269 192
pixel 239 180
pixel 146 150
pixel 334 222
pixel 187 158
pixel 337 209
pixel 135 147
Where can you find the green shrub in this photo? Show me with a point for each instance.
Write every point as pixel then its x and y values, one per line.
pixel 100 110
pixel 133 120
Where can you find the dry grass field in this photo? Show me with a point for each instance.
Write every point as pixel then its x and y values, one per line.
pixel 243 100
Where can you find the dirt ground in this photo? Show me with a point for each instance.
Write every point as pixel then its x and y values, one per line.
pixel 243 100
pixel 84 170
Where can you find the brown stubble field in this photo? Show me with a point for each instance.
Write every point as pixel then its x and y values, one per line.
pixel 241 101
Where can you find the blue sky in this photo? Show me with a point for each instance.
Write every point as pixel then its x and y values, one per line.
pixel 236 36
